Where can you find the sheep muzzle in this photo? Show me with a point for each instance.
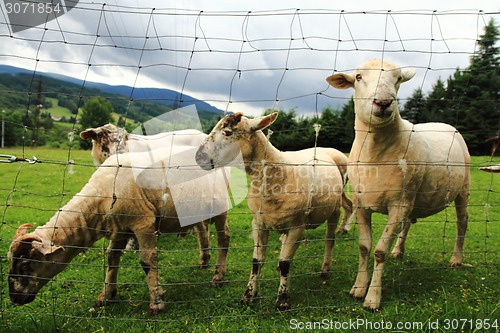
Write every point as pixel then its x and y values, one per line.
pixel 203 160
pixel 381 107
pixel 20 298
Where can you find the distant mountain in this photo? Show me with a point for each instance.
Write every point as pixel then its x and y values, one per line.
pixel 167 97
pixel 13 70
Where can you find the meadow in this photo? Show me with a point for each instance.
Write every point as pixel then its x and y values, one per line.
pixel 421 293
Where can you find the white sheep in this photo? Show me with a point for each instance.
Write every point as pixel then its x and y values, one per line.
pixel 400 169
pixel 126 195
pixel 289 192
pixel 108 140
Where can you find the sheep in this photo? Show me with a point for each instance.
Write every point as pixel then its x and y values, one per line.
pixel 107 140
pixel 289 192
pixel 399 169
pixel 126 195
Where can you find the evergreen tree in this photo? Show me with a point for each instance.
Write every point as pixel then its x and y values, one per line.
pixel 470 99
pixel 346 127
pixel 329 132
pixel 435 104
pixel 482 117
pixel 475 93
pixel 414 108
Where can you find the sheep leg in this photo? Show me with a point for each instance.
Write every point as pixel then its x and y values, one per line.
pixel 395 224
pixel 149 261
pixel 461 202
pixel 260 238
pixel 290 243
pixel 331 225
pixel 114 252
pixel 365 245
pixel 345 226
pixel 222 248
pixel 399 248
pixel 202 234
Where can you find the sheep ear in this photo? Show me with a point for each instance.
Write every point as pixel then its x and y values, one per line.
pixel 46 248
pixel 88 134
pixel 22 230
pixel 407 74
pixel 260 123
pixel 341 81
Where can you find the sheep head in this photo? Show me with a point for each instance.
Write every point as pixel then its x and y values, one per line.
pixel 376 84
pixel 32 264
pixel 230 137
pixel 107 140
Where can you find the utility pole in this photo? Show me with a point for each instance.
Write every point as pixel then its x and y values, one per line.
pixel 3 128
pixel 36 120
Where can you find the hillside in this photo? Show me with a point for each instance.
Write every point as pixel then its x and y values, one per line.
pixel 147 102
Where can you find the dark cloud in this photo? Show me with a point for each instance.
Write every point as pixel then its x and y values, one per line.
pixel 242 60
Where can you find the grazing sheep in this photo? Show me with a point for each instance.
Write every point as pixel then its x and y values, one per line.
pixel 108 140
pixel 126 195
pixel 289 192
pixel 396 168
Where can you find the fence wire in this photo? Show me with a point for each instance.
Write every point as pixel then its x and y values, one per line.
pixel 246 61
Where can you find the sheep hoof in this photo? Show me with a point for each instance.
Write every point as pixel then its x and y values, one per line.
pixel 358 292
pixel 155 309
pixel 371 309
pixel 456 261
pixel 283 302
pixel 203 265
pixel 204 262
pixel 246 300
pixel 102 300
pixel 397 255
pixel 324 275
pixel 247 297
pixel 371 305
pixel 217 282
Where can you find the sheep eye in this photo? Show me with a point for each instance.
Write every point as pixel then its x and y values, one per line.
pixel 358 77
pixel 227 132
pixel 25 266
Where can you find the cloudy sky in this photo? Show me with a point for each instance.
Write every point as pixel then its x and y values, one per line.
pixel 250 55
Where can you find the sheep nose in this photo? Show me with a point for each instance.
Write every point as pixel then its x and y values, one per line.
pixel 203 160
pixel 383 103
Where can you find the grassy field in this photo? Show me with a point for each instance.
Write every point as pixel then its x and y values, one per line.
pixel 59 111
pixel 421 293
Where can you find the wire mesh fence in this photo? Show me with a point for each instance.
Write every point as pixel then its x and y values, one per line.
pixel 232 60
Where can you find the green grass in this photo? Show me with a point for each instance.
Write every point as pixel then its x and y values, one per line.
pixel 421 288
pixel 59 111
